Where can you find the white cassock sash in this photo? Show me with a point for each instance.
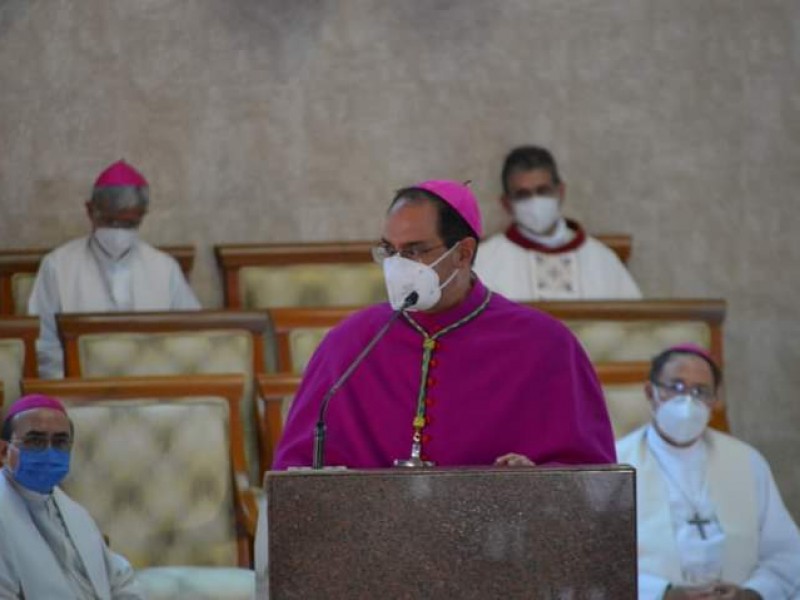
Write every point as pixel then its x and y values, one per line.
pixel 37 568
pixel 732 492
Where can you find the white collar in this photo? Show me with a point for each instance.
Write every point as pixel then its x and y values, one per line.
pixel 561 235
pixel 686 465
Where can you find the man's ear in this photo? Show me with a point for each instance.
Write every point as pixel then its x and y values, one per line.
pixel 466 250
pixel 561 191
pixel 89 211
pixel 505 202
pixel 648 391
pixel 719 400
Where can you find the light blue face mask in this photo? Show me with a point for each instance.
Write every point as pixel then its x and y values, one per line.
pixel 41 470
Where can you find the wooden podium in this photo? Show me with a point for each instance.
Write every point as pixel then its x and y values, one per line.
pixel 551 533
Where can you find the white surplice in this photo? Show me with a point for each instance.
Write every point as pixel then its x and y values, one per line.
pixel 568 265
pixel 81 567
pixel 76 277
pixel 750 538
pixel 261 551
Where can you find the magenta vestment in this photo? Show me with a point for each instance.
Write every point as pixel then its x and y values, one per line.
pixel 513 379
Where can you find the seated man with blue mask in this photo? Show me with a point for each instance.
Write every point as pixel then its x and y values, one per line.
pixel 49 545
pixel 711 522
pixel 109 270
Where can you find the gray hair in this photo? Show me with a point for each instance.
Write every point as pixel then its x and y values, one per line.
pixel 121 197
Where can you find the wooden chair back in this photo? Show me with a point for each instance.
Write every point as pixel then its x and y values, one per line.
pixel 316 273
pixel 17 354
pixel 170 343
pixel 135 394
pixel 18 268
pixel 301 274
pixel 275 395
pixel 636 330
pixel 611 331
pixel 622 383
pixel 298 331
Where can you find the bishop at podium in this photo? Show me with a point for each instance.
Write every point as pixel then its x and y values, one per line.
pixel 462 376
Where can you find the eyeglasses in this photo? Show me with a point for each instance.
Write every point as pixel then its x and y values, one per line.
pixel 541 190
pixel 40 443
pixel 119 219
pixel 700 392
pixel 382 252
pixel 115 223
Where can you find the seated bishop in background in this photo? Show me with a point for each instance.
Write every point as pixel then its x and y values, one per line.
pixel 711 522
pixel 542 255
pixel 50 548
pixel 109 270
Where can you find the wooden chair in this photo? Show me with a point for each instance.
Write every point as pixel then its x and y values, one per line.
pixel 159 463
pixel 623 388
pixel 275 395
pixel 637 330
pixel 170 343
pixel 18 270
pixel 620 243
pixel 316 274
pixel 17 353
pixel 298 331
pixel 611 331
pixel 302 274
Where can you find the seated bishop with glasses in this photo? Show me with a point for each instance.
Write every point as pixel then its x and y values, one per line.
pixel 710 519
pixel 49 545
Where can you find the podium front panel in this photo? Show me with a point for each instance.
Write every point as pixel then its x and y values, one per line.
pixel 565 533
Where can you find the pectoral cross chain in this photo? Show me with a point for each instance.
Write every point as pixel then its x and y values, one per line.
pixel 699 523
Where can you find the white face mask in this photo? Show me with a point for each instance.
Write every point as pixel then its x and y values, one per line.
pixel 116 241
pixel 537 213
pixel 404 276
pixel 682 418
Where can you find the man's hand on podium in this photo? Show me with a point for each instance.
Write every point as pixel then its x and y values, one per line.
pixel 514 460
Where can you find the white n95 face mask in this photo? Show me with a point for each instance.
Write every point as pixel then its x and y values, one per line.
pixel 116 241
pixel 404 276
pixel 537 213
pixel 683 418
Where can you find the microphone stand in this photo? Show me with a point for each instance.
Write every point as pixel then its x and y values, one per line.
pixel 319 428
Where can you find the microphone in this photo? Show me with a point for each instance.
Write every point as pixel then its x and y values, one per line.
pixel 319 428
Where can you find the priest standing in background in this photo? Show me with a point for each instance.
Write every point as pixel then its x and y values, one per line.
pixel 711 522
pixel 543 255
pixel 109 270
pixel 463 375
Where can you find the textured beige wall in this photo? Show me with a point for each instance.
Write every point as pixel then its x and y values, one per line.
pixel 275 120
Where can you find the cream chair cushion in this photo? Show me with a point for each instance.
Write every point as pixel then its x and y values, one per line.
pixel 186 583
pixel 286 404
pixel 303 343
pixel 604 341
pixel 627 406
pixel 12 363
pixel 179 353
pixel 157 479
pixel 615 341
pixel 312 285
pixel 21 287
